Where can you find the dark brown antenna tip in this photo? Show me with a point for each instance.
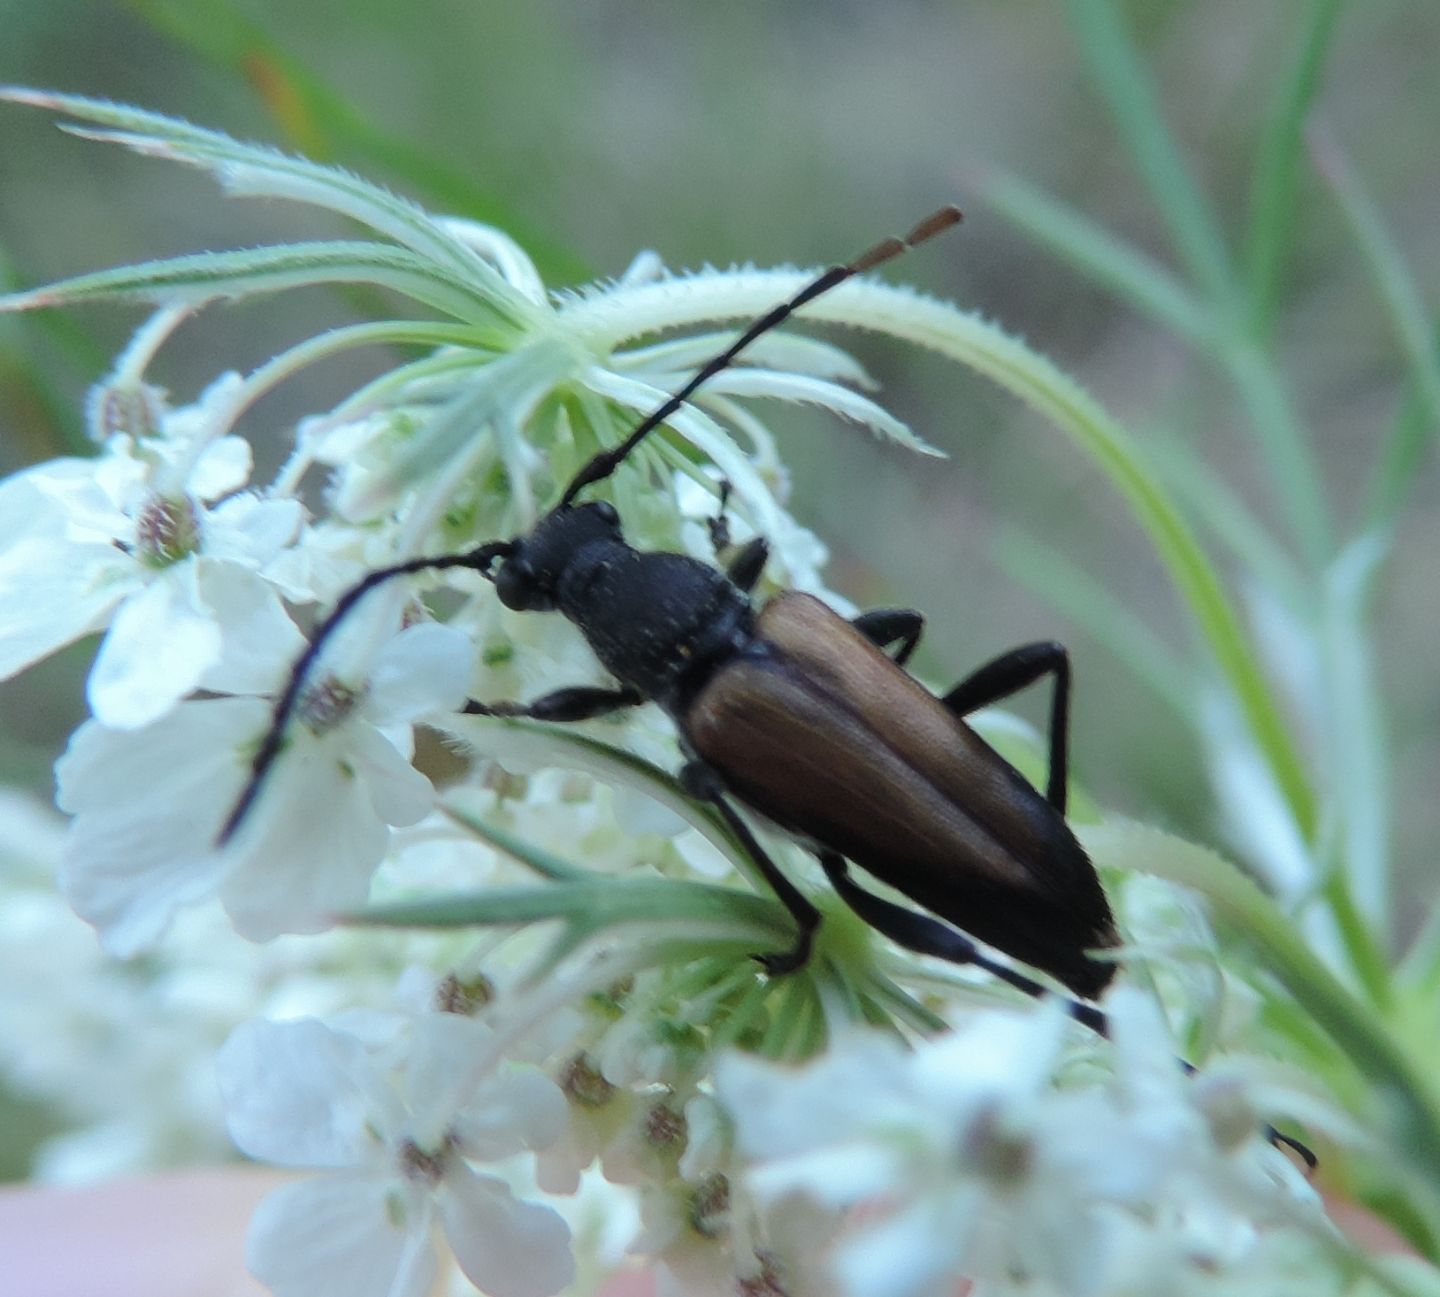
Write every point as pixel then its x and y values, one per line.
pixel 932 225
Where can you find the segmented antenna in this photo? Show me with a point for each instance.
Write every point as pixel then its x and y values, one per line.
pixel 600 467
pixel 478 559
pixel 607 461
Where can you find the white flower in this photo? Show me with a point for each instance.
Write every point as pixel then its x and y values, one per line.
pixel 149 804
pixel 156 540
pixel 396 1119
pixel 971 1163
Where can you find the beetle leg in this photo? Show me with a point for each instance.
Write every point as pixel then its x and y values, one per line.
pixel 1008 674
pixel 702 783
pixel 576 704
pixel 919 932
pixel 719 526
pixel 745 567
pixel 928 936
pixel 884 626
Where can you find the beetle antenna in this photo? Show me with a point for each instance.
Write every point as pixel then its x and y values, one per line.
pixel 606 462
pixel 480 559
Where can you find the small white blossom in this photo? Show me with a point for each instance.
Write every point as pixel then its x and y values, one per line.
pixel 971 1163
pixel 397 1118
pixel 149 804
pixel 157 540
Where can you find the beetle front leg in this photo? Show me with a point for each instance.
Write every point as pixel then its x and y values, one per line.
pixel 928 936
pixel 580 703
pixel 702 783
pixel 884 626
pixel 1010 673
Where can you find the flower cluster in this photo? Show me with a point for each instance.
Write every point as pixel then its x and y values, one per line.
pixel 872 1122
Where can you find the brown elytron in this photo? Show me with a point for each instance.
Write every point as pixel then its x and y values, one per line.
pixel 826 736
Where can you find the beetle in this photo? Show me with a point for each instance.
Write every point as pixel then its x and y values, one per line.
pixel 805 718
pixel 809 720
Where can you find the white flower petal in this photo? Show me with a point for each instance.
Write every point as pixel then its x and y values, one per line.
pixel 54 593
pixel 160 645
pixel 448 1055
pixel 251 530
pixel 148 804
pixel 506 1247
pixel 224 465
pixel 519 1107
pixel 911 1254
pixel 299 1093
pixel 839 1175
pixel 319 829
pixel 259 641
pixel 424 669
pixel 310 846
pixel 399 794
pixel 780 1109
pixel 336 1237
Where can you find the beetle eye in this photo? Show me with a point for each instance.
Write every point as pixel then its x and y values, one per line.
pixel 515 584
pixel 605 511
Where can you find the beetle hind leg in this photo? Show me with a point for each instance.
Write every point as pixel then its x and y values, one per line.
pixel 1010 673
pixel 928 936
pixel 886 626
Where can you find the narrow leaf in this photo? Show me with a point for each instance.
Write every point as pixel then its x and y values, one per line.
pixel 1119 74
pixel 1409 317
pixel 1277 168
pixel 1136 279
pixel 259 170
pixel 205 276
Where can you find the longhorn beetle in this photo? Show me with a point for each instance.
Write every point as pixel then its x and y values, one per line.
pixel 804 717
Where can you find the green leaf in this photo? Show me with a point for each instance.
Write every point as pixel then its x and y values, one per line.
pixel 1139 281
pixel 591 905
pixel 542 862
pixel 1120 76
pixel 256 170
pixel 1356 742
pixel 1277 167
pixel 323 122
pixel 207 276
pixel 1409 317
pixel 1400 460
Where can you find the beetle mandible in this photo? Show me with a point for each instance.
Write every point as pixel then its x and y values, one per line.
pixel 804 717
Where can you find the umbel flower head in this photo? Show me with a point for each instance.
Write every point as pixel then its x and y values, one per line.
pixel 574 1045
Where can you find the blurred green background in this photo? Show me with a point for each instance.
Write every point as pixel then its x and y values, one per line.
pixel 788 131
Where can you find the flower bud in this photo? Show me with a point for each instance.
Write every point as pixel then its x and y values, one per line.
pixel 132 409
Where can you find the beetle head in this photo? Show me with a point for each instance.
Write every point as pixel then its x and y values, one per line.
pixel 528 575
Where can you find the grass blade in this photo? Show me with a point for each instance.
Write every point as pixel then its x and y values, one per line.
pixel 1136 279
pixel 1120 76
pixel 1277 169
